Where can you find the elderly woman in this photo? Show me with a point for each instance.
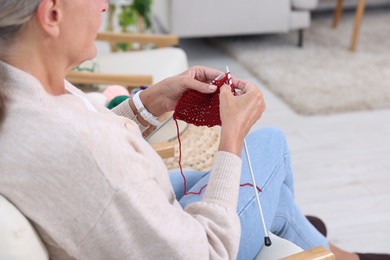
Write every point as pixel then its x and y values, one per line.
pixel 92 186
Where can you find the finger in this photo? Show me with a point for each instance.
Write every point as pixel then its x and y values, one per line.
pixel 238 92
pixel 244 86
pixel 205 74
pixel 225 89
pixel 199 86
pixel 240 83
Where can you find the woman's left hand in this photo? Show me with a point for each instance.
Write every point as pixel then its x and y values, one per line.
pixel 164 95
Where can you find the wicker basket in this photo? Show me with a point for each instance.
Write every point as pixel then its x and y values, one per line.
pixel 198 145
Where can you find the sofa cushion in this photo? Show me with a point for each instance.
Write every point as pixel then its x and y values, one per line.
pixel 299 20
pixel 304 4
pixel 160 63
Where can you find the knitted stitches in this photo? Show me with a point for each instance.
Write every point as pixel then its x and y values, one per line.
pixel 201 109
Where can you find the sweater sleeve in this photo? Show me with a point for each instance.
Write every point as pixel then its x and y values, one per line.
pixel 124 109
pixel 141 222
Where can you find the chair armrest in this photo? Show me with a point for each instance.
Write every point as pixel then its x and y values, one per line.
pixel 132 81
pixel 160 40
pixel 164 149
pixel 316 253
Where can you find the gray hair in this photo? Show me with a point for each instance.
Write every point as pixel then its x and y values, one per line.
pixel 14 14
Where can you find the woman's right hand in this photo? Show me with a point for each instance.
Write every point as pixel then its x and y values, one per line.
pixel 238 114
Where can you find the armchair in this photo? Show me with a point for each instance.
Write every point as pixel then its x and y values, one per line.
pixel 138 67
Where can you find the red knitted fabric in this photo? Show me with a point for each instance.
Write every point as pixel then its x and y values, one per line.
pixel 201 109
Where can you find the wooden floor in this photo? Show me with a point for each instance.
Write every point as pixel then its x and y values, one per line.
pixel 341 162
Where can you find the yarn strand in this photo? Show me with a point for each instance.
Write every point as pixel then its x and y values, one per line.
pixel 181 168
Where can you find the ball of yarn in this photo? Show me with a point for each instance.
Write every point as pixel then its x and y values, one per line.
pixel 113 91
pixel 97 97
pixel 116 101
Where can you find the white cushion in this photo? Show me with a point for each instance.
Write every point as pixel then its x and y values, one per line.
pixel 18 239
pixel 160 63
pixel 280 248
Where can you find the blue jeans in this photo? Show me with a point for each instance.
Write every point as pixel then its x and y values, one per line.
pixel 270 160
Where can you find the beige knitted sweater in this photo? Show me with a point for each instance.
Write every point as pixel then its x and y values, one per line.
pixel 94 189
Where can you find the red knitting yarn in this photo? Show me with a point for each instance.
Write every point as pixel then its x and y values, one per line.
pixel 201 109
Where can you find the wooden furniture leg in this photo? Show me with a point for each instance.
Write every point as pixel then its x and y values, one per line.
pixel 300 38
pixel 337 13
pixel 361 5
pixel 358 21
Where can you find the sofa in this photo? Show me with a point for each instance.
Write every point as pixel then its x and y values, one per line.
pixel 211 18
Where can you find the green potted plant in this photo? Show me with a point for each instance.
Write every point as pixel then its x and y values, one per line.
pixel 134 16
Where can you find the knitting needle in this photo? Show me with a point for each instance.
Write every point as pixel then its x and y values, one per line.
pixel 267 240
pixel 217 78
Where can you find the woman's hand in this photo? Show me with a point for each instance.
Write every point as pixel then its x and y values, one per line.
pixel 164 95
pixel 238 114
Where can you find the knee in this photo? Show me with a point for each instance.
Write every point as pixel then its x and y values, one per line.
pixel 279 225
pixel 269 137
pixel 268 132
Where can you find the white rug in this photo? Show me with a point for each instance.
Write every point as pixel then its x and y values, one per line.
pixel 323 77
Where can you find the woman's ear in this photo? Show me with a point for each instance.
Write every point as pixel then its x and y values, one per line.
pixel 48 16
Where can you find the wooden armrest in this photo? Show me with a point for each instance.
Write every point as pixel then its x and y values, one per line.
pixel 76 77
pixel 164 149
pixel 316 253
pixel 160 40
